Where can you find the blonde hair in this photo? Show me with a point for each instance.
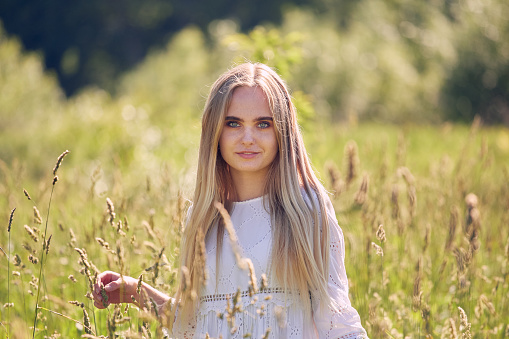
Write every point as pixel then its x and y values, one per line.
pixel 301 235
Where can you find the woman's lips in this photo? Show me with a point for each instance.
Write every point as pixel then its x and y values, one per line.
pixel 247 155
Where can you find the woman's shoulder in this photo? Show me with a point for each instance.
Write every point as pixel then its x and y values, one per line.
pixel 314 196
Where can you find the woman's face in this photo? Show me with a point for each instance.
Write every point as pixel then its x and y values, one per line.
pixel 248 141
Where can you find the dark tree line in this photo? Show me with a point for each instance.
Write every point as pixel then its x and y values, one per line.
pixel 91 42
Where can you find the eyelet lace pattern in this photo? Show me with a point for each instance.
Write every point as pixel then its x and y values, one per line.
pixel 270 309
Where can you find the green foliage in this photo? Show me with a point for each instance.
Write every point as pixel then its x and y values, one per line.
pixel 478 82
pixel 138 147
pixel 93 42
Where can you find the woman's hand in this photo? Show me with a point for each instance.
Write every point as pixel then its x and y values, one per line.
pixel 117 289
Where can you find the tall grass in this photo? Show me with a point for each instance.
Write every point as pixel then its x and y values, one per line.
pixel 436 213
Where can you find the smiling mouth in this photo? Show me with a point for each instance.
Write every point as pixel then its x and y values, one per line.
pixel 248 155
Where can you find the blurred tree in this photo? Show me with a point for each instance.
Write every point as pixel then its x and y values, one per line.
pixel 92 42
pixel 478 81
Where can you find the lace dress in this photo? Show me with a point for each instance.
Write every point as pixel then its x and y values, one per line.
pixel 268 311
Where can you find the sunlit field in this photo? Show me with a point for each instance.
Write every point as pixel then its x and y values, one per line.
pixel 423 204
pixel 424 211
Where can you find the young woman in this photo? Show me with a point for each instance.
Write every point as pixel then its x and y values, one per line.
pixel 252 160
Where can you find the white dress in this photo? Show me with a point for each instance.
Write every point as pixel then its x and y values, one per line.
pixel 269 310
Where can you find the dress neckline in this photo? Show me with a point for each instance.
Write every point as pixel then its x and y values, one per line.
pixel 237 203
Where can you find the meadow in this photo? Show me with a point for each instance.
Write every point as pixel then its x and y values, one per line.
pixel 424 207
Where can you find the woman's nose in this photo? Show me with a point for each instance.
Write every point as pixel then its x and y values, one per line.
pixel 248 136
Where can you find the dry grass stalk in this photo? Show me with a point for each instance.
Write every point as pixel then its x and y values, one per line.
pixel 37 216
pixel 380 234
pixel 120 257
pixel 76 303
pixel 201 256
pixel 26 194
pixel 464 324
pixel 395 201
pixel 111 211
pixel 412 201
pixel 483 304
pixel 264 283
pixel 31 233
pixel 453 223
pixel 11 217
pixel 73 240
pixel 352 157
pixel 253 285
pixel 140 283
pixel 119 229
pixel 46 244
pixel 427 237
pixel 362 193
pixel 405 173
pixel 473 222
pixel 149 230
pixel 59 161
pixel 104 245
pixel 89 269
pixel 378 249
pixel 126 224
pixel 231 235
pixel 336 182
pixel 417 293
pixel 449 330
pixel 232 309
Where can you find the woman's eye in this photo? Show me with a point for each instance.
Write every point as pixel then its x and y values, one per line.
pixel 232 124
pixel 263 125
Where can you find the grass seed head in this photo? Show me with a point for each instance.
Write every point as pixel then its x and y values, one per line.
pixel 26 194
pixel 463 317
pixel 140 283
pixel 111 211
pixel 46 244
pixel 253 285
pixel 34 260
pixel 378 249
pixel 86 322
pixel 264 283
pixel 37 216
pixel 59 161
pixel 380 234
pixel 11 217
pixel 31 233
pixel 352 161
pixel 362 193
pixel 394 201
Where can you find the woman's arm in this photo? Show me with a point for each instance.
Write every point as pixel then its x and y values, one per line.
pixel 113 288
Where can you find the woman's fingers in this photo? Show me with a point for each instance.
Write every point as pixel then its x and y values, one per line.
pixel 113 285
pixel 118 289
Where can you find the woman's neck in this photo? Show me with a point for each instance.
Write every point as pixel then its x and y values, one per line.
pixel 248 187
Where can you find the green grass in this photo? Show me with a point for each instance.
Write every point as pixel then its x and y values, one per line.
pixel 447 162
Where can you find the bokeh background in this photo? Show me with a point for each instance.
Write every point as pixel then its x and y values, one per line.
pixel 404 106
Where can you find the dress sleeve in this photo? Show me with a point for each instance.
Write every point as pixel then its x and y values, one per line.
pixel 338 319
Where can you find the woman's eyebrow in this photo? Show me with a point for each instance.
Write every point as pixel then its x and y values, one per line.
pixel 233 118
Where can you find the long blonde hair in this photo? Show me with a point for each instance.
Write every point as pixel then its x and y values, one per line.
pixel 300 230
